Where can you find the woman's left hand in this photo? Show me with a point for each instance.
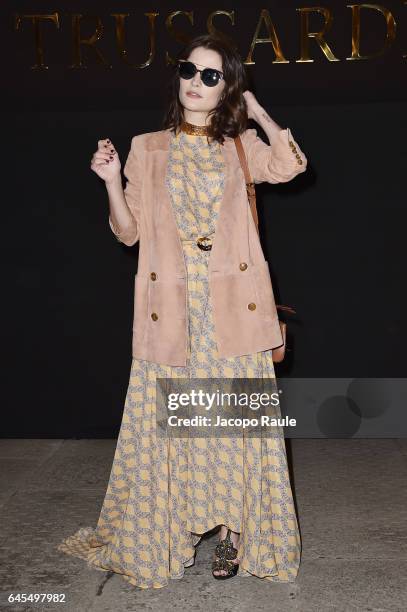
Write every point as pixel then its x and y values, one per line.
pixel 252 104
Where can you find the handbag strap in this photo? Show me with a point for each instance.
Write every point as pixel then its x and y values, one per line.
pixel 250 188
pixel 251 194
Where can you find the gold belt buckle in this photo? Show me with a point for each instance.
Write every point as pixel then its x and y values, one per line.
pixel 204 247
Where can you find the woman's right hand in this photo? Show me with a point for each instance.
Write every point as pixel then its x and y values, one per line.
pixel 105 161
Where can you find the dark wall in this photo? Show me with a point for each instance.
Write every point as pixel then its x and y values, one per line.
pixel 334 235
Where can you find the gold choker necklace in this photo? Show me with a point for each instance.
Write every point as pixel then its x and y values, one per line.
pixel 190 128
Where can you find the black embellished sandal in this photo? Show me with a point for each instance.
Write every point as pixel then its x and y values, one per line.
pixel 225 553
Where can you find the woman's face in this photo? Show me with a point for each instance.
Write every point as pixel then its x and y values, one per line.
pixel 196 109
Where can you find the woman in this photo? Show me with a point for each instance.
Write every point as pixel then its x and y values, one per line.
pixel 196 317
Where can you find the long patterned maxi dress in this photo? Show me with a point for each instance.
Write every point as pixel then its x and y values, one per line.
pixel 164 493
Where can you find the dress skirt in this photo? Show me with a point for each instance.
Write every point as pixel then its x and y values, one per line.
pixel 165 492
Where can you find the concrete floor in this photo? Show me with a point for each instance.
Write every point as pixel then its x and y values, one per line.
pixel 351 497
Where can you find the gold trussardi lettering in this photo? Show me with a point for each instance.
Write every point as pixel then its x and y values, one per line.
pixel 90 42
pixel 36 21
pixel 121 38
pixel 390 30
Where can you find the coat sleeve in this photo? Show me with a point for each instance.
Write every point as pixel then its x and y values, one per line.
pixel 132 192
pixel 277 163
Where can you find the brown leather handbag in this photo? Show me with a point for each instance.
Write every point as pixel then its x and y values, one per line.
pixel 278 352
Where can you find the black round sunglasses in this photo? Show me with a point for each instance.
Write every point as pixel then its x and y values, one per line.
pixel 209 76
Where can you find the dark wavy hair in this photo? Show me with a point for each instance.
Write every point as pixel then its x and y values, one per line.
pixel 229 117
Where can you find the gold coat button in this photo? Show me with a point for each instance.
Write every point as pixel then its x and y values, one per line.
pixel 154 316
pixel 300 161
pixel 153 275
pixel 251 306
pixel 243 265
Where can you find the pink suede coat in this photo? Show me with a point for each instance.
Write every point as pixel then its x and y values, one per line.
pixel 244 311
